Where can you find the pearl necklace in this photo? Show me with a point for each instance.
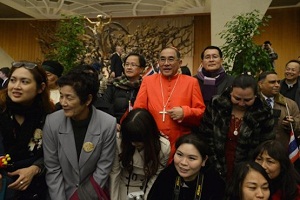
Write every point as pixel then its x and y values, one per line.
pixel 236 128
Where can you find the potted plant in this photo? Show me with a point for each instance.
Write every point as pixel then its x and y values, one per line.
pixel 239 48
pixel 68 48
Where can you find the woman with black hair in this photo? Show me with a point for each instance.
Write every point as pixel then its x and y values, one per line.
pixel 23 109
pixel 142 152
pixel 236 122
pixel 285 180
pixel 79 141
pixel 188 176
pixel 250 181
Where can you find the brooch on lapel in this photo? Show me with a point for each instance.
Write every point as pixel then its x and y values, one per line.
pixel 88 147
pixel 36 141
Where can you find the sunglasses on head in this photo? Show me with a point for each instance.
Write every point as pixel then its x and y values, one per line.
pixel 27 65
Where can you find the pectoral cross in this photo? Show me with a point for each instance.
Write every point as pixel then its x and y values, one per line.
pixel 163 112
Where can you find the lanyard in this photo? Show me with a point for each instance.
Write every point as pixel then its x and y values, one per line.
pixel 198 190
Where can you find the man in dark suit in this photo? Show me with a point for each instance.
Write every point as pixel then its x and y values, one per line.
pixel 116 63
pixel 290 85
pixel 4 73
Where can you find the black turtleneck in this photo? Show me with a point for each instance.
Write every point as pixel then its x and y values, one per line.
pixel 79 128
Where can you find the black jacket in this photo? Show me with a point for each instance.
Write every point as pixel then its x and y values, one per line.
pixel 116 64
pixel 163 187
pixel 118 99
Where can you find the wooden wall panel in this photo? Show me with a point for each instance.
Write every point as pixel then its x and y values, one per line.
pixel 284 33
pixel 18 38
pixel 202 38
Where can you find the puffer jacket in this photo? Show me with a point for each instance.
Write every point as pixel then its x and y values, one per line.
pixel 118 94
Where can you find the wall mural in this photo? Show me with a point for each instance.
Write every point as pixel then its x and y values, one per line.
pixel 145 36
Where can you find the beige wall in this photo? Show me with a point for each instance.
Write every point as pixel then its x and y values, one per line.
pixel 5 59
pixel 223 11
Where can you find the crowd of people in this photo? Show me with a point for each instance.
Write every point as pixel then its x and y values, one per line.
pixel 167 135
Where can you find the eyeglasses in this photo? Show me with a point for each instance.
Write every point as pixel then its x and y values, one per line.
pixel 27 65
pixel 130 64
pixel 168 59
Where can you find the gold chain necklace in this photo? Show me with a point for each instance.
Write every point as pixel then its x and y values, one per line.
pixel 164 112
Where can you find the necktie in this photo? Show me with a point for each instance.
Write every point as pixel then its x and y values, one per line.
pixel 269 102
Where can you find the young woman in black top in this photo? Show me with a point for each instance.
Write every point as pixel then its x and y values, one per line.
pixel 188 177
pixel 23 108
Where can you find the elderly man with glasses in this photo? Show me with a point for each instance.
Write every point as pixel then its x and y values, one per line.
pixel 174 99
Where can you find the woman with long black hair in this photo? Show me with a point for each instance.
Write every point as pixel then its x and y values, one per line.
pixel 24 106
pixel 142 152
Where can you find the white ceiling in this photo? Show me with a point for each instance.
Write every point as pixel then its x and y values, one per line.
pixel 53 9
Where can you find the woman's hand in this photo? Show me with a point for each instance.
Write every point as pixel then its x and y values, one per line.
pixel 25 177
